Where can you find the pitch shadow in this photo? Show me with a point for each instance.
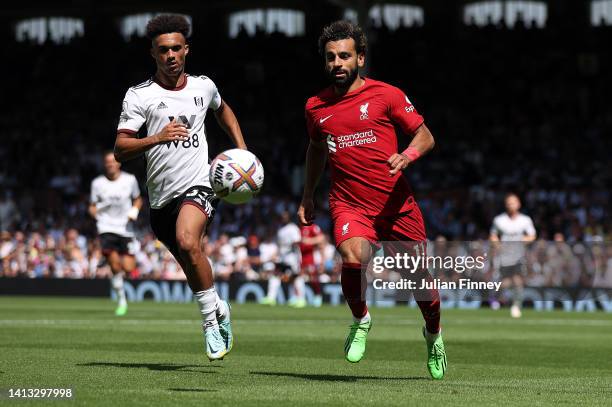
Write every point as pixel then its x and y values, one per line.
pixel 194 390
pixel 335 378
pixel 160 367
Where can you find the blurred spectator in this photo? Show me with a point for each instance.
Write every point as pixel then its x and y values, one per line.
pixel 9 214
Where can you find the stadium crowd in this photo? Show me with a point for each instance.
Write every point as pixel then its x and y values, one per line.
pixel 68 254
pixel 520 109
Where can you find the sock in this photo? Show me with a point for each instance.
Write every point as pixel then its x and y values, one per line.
pixel 222 309
pixel 429 304
pixel 517 296
pixel 315 283
pixel 117 284
pixel 273 285
pixel 207 302
pixel 428 300
pixel 354 286
pixel 300 288
pixel 365 318
pixel 431 337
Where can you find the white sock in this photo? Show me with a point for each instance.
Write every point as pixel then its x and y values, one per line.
pixel 207 302
pixel 300 288
pixel 222 309
pixel 273 285
pixel 366 318
pixel 117 284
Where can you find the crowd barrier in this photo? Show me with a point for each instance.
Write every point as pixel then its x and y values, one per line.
pixel 538 298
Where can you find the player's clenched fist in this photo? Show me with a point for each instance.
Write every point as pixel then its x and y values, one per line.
pixel 306 212
pixel 173 131
pixel 397 162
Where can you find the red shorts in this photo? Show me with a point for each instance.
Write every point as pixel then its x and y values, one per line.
pixel 349 223
pixel 307 259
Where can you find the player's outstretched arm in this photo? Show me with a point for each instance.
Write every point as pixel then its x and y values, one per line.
pixel 229 123
pixel 316 156
pixel 128 146
pixel 422 143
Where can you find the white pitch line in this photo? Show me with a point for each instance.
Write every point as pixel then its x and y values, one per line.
pixel 95 321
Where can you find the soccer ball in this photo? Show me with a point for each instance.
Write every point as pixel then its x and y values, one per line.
pixel 236 176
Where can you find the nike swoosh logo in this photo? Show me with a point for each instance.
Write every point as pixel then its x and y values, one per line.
pixel 325 118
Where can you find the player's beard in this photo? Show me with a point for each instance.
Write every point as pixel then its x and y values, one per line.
pixel 347 81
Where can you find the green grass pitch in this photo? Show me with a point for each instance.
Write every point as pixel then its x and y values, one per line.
pixel 154 356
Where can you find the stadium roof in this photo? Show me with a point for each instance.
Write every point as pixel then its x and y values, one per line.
pixel 446 11
pixel 119 7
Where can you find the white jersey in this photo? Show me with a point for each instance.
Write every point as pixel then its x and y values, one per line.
pixel 175 166
pixel 512 230
pixel 268 252
pixel 113 201
pixel 288 237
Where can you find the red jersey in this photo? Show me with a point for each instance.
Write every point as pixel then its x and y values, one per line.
pixel 360 135
pixel 308 249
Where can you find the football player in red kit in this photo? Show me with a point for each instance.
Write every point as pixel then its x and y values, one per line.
pixel 312 239
pixel 352 122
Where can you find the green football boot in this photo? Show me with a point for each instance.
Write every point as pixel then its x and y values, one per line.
pixel 121 310
pixel 355 344
pixel 297 303
pixel 436 356
pixel 267 301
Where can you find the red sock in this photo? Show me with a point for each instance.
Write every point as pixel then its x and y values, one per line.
pixel 429 303
pixel 427 300
pixel 314 281
pixel 354 284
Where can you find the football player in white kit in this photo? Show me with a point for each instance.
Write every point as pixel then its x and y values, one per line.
pixel 512 226
pixel 173 105
pixel 114 204
pixel 288 237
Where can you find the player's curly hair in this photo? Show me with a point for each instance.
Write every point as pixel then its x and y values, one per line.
pixel 167 23
pixel 342 30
